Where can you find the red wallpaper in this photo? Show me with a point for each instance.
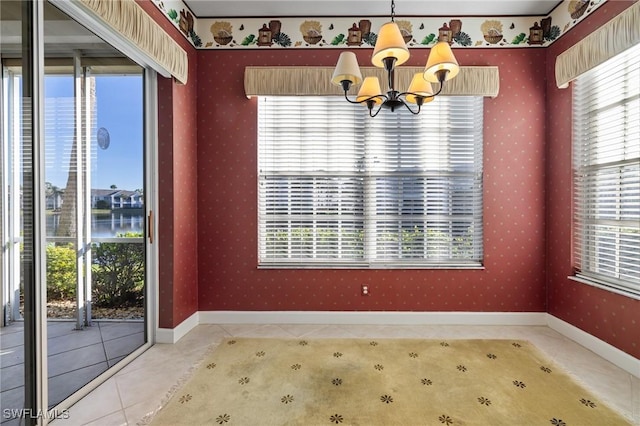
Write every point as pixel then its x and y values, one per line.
pixel 521 220
pixel 177 217
pixel 514 278
pixel 608 316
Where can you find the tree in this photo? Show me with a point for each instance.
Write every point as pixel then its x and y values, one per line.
pixel 69 210
pixel 113 186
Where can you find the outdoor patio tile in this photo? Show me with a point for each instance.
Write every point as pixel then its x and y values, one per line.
pixel 12 422
pixel 60 328
pixel 123 345
pixel 12 399
pixel 11 356
pixel 12 377
pixel 11 340
pixel 77 339
pixel 75 359
pixel 14 327
pixel 114 361
pixel 114 330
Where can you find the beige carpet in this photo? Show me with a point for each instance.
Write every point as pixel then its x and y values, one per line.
pixel 381 382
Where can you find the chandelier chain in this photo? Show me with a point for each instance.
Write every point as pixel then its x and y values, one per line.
pixel 390 51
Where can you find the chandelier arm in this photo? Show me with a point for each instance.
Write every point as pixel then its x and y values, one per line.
pixel 370 106
pixel 419 96
pixel 349 100
pixel 369 99
pixel 439 90
pixel 416 112
pixel 441 75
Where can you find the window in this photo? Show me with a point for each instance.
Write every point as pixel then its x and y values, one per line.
pixel 338 188
pixel 607 173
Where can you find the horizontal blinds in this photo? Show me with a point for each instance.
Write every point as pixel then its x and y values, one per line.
pixel 607 172
pixel 338 187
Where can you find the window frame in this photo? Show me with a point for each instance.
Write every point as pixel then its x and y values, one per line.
pixel 370 259
pixel 606 176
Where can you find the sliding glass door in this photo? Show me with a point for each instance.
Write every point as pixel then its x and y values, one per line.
pixel 75 254
pixel 94 210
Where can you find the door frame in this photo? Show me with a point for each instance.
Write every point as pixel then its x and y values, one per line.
pixel 35 319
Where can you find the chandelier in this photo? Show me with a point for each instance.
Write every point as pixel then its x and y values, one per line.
pixel 391 51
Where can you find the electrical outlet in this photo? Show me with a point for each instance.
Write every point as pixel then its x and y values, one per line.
pixel 365 290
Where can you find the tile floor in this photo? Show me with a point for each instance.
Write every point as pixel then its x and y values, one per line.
pixel 75 357
pixel 138 389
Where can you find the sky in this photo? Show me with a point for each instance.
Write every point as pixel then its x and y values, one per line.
pixel 119 110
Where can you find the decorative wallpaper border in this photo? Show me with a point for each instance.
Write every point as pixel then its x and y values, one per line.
pixel 354 32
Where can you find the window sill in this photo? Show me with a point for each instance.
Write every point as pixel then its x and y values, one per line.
pixel 371 267
pixel 605 286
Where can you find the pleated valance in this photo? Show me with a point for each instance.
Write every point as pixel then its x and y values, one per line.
pixel 130 20
pixel 316 81
pixel 614 37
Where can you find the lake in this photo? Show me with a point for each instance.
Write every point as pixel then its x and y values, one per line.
pixel 105 225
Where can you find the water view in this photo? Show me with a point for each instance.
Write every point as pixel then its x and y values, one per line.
pixel 106 225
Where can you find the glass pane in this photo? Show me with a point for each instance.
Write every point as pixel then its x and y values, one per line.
pixel 16 260
pixel 94 242
pixel 93 139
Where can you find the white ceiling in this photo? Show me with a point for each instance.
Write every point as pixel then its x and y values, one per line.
pixel 362 8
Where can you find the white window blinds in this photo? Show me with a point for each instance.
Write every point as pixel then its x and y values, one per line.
pixel 338 188
pixel 607 173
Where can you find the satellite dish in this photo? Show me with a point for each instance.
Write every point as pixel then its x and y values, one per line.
pixel 103 138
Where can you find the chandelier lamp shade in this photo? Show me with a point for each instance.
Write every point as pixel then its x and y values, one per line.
pixel 390 52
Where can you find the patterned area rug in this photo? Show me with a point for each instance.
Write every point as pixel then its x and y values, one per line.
pixel 382 382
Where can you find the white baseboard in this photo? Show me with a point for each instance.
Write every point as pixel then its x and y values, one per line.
pixel 600 347
pixel 172 335
pixel 373 318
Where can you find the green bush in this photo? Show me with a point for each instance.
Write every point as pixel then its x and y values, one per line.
pixel 61 272
pixel 118 273
pixel 103 205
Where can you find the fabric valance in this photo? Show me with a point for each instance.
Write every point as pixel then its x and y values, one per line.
pixel 614 37
pixel 316 81
pixel 131 21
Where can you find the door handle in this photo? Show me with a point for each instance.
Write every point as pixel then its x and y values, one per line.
pixel 150 227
